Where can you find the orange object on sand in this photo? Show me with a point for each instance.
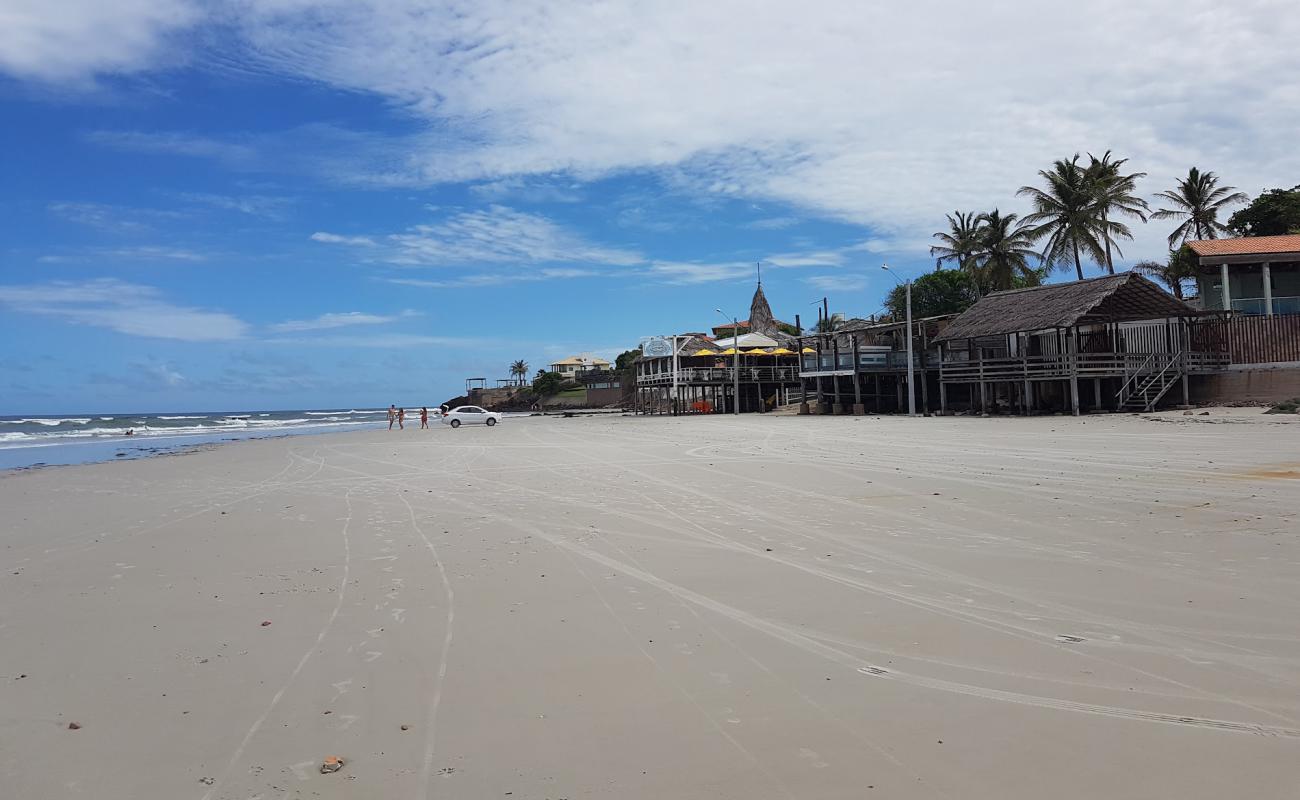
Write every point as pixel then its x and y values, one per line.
pixel 331 764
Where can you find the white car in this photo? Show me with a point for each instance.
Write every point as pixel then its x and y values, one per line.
pixel 470 415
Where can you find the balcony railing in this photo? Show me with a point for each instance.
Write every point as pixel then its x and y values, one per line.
pixel 1255 305
pixel 886 361
pixel 1085 365
pixel 721 375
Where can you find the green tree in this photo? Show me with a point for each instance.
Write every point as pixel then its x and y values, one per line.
pixel 1113 192
pixel 1197 201
pixel 1178 268
pixel 944 291
pixel 959 244
pixel 1068 214
pixel 519 371
pixel 1006 256
pixel 1274 213
pixel 625 359
pixel 547 384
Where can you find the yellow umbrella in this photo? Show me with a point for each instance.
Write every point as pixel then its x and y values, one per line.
pixel 706 352
pixel 730 351
pixel 757 351
pixel 809 350
pixel 781 351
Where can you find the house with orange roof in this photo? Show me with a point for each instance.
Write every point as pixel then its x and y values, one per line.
pixel 1254 275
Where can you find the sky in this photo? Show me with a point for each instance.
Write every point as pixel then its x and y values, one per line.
pixel 289 204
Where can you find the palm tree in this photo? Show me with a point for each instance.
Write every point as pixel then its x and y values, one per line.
pixel 519 371
pixel 1005 252
pixel 1068 214
pixel 1197 201
pixel 1180 266
pixel 959 243
pixel 1113 193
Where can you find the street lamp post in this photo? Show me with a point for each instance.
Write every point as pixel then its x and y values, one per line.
pixel 911 385
pixel 735 370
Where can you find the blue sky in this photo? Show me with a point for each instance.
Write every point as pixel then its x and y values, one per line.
pixel 315 204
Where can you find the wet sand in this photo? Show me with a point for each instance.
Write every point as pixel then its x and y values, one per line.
pixel 763 607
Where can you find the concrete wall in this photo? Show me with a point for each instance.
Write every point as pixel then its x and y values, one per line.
pixel 1264 384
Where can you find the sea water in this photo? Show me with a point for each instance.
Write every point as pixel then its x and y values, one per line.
pixel 34 440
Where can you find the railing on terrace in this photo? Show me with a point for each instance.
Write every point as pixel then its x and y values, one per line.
pixel 1255 306
pixel 868 361
pixel 1085 365
pixel 722 375
pixel 1250 339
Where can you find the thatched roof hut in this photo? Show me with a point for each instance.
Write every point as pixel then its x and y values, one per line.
pixel 1110 298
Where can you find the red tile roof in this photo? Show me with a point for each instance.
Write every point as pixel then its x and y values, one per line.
pixel 1247 246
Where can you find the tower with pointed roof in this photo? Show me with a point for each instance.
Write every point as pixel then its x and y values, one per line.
pixel 760 314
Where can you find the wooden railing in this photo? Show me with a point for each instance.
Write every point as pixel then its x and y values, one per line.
pixel 1084 365
pixel 722 375
pixel 1249 339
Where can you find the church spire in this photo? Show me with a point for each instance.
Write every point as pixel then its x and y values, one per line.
pixel 760 314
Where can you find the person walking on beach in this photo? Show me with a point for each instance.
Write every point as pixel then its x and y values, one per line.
pixel 392 416
pixel 424 417
pixel 401 418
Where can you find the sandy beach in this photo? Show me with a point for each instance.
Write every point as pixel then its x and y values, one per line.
pixel 761 607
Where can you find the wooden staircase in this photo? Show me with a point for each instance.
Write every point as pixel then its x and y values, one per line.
pixel 1150 381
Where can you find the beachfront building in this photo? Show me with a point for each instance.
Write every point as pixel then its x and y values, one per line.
pixel 1118 342
pixel 583 362
pixel 753 368
pixel 861 367
pixel 1257 275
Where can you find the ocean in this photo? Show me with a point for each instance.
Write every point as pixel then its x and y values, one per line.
pixel 27 441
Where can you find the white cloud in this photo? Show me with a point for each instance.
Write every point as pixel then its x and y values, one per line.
pixel 73 40
pixel 883 115
pixel 886 115
pixel 382 340
pixel 339 320
pixel 123 307
pixel 235 153
pixel 847 282
pixel 256 205
pixel 773 223
pixel 484 279
pixel 112 218
pixel 688 272
pixel 500 235
pixel 334 238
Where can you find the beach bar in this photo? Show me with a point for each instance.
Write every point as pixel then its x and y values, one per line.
pixel 1118 342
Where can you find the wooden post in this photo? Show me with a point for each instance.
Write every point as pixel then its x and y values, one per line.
pixel 1074 370
pixel 943 387
pixel 1026 391
pixel 838 407
pixel 925 382
pixel 1096 394
pixel 858 408
pixel 984 389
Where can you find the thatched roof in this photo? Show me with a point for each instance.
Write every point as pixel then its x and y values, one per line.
pixel 1111 298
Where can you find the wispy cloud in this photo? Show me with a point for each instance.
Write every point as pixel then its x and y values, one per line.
pixel 122 307
pixel 334 238
pixel 380 340
pixel 176 143
pixel 688 272
pixel 256 205
pixel 340 320
pixel 486 279
pixel 112 218
pixel 844 282
pixel 500 235
pixel 773 223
